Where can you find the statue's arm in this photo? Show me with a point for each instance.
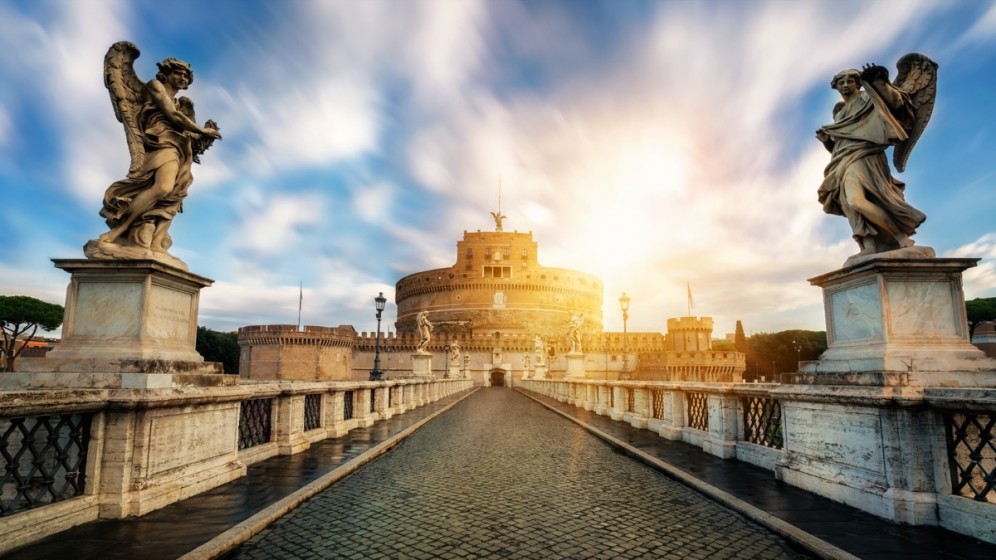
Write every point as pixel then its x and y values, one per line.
pixel 165 103
pixel 878 78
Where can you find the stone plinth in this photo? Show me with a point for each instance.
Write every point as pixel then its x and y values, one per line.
pixel 422 364
pixel 575 365
pixel 898 322
pixel 127 317
pixel 540 372
pixel 453 373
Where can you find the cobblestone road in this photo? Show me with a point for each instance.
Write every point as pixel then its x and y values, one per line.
pixel 499 476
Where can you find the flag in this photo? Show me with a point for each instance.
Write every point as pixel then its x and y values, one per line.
pixel 300 302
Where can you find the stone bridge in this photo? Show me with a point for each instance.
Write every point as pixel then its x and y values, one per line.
pixel 546 469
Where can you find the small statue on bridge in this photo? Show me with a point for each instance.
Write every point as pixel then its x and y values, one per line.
pixel 455 352
pixel 424 332
pixel 574 333
pixel 858 183
pixel 539 350
pixel 164 142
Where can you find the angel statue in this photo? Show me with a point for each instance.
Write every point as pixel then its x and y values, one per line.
pixel 858 183
pixel 164 142
pixel 424 332
pixel 574 333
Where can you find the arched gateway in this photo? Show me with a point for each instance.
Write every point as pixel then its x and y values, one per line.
pixel 498 378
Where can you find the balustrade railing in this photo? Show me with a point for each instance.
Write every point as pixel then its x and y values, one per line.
pixel 312 411
pixel 255 422
pixel 763 421
pixel 44 459
pixel 972 455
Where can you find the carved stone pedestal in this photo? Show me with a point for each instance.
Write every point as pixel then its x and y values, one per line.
pixel 422 365
pixel 575 365
pixel 454 372
pixel 130 324
pixel 898 322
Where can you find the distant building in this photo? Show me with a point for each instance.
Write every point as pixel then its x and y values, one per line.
pixel 984 338
pixel 494 301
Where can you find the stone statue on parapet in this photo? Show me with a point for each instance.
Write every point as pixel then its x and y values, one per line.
pixel 539 350
pixel 574 333
pixel 455 352
pixel 858 184
pixel 164 142
pixel 424 332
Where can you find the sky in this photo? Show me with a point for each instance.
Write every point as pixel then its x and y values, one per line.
pixel 657 145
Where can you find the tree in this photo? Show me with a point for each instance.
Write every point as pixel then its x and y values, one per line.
pixel 739 340
pixel 780 352
pixel 978 311
pixel 219 347
pixel 18 314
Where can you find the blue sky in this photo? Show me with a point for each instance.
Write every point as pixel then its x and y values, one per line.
pixel 648 143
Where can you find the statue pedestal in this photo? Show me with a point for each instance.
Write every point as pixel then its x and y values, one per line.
pixel 453 372
pixel 575 365
pixel 897 322
pixel 124 322
pixel 422 364
pixel 540 372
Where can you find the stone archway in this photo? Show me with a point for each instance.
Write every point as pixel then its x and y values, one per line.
pixel 497 378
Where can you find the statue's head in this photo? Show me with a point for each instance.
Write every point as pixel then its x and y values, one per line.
pixel 171 65
pixel 850 72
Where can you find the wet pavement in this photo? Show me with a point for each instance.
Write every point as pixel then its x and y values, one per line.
pixel 179 528
pixel 845 527
pixel 500 476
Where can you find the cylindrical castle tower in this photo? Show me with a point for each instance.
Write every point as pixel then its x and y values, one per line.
pixel 498 286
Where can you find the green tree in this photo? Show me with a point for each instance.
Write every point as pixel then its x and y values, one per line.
pixel 774 353
pixel 18 314
pixel 219 347
pixel 978 311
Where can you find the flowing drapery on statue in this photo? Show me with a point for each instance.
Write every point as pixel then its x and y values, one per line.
pixel 858 183
pixel 164 142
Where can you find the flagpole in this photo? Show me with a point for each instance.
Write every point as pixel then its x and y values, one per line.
pixel 300 301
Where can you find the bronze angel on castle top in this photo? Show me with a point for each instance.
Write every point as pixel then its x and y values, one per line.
pixel 858 184
pixel 164 142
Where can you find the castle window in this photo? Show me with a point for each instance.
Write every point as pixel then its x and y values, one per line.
pixel 487 252
pixel 525 253
pixel 505 253
pixel 470 253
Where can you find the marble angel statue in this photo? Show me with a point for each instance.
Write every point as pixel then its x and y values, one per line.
pixel 164 142
pixel 872 116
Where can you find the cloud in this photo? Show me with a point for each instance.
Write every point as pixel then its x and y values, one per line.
pixel 979 281
pixel 274 222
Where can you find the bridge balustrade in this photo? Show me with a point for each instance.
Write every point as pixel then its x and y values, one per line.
pixel 72 456
pixel 947 455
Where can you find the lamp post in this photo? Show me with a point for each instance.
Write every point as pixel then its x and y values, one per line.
pixel 446 360
pixel 798 355
pixel 379 302
pixel 624 305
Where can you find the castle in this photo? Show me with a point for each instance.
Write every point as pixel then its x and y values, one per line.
pixel 495 303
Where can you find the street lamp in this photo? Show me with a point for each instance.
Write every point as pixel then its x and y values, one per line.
pixel 624 305
pixel 798 355
pixel 379 302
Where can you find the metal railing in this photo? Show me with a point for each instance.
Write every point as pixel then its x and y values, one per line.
pixel 347 405
pixel 698 411
pixel 255 422
pixel 44 460
pixel 972 455
pixel 657 405
pixel 763 422
pixel 313 411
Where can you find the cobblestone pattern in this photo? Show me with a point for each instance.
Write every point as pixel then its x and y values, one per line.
pixel 499 476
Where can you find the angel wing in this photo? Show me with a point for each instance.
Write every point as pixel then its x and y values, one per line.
pixel 918 79
pixel 126 96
